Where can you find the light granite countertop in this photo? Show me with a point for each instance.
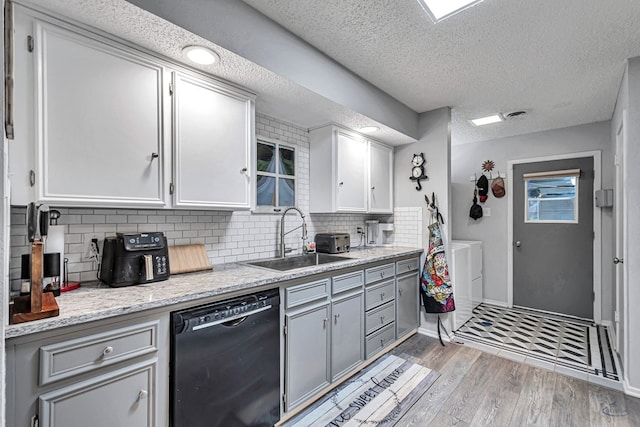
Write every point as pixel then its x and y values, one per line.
pixel 98 301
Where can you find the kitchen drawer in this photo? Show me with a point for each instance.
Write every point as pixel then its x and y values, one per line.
pixel 407 265
pixel 305 293
pixel 73 357
pixel 380 339
pixel 379 294
pixel 379 317
pixel 381 272
pixel 347 282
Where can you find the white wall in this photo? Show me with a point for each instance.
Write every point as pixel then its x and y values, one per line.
pixel 435 142
pixel 466 160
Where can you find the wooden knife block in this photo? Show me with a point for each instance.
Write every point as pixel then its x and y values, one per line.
pixel 38 304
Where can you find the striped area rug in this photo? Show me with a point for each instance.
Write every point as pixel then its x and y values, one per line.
pixel 378 395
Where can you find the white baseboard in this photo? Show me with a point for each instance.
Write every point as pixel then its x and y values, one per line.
pixel 629 390
pixel 497 303
pixel 434 334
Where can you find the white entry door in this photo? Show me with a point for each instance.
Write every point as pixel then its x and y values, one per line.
pixel 620 218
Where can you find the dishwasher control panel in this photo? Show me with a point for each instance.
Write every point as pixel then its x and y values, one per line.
pixel 226 313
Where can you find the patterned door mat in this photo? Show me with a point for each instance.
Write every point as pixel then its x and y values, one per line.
pixel 378 395
pixel 570 343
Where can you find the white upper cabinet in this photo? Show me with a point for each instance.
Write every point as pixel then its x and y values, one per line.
pixel 97 132
pixel 351 176
pixel 213 136
pixel 380 187
pixel 349 173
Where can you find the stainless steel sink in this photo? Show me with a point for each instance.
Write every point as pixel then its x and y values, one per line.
pixel 290 263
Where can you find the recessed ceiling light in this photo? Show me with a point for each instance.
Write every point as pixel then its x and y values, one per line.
pixel 200 55
pixel 369 129
pixel 442 9
pixel 495 118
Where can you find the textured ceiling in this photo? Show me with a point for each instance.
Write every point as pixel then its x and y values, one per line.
pixel 560 61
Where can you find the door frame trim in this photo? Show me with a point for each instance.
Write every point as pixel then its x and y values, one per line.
pixel 597 225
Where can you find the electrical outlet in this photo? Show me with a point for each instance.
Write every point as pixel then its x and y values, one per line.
pixel 359 230
pixel 92 243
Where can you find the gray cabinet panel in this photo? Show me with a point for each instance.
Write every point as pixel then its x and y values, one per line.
pixel 121 398
pixel 306 293
pixel 408 303
pixel 347 282
pixel 72 357
pixel 307 351
pixel 347 337
pixel 381 272
pixel 380 339
pixel 379 293
pixel 380 317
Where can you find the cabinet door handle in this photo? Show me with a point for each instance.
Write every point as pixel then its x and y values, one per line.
pixel 154 156
pixel 142 394
pixel 400 292
pixel 243 170
pixel 324 323
pixel 373 188
pixel 341 183
pixel 107 351
pixel 336 317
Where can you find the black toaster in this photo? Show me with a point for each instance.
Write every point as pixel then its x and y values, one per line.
pixel 333 243
pixel 135 258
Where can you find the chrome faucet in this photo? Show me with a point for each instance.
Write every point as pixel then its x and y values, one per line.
pixel 283 250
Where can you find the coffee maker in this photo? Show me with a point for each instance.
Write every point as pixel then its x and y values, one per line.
pixel 134 258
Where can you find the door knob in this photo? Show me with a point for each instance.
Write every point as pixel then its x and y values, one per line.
pixel 518 243
pixel 617 260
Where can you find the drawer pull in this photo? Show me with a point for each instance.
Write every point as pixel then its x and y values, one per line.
pixel 382 342
pixel 381 319
pixel 107 351
pixel 382 296
pixel 382 274
pixel 142 394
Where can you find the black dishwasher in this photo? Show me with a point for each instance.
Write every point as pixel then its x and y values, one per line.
pixel 225 363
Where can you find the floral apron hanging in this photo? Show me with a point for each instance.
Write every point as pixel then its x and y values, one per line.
pixel 435 285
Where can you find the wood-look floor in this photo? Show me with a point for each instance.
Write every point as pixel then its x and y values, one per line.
pixel 478 389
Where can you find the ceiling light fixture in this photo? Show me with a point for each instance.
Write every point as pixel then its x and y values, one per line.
pixel 200 55
pixel 495 118
pixel 442 9
pixel 369 129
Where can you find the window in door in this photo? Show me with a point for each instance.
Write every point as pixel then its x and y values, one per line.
pixel 552 197
pixel 275 175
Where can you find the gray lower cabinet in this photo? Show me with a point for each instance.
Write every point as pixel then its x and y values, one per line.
pixel 113 373
pixel 129 392
pixel 307 353
pixel 324 334
pixel 407 296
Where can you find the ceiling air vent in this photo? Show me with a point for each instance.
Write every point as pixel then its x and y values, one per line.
pixel 515 114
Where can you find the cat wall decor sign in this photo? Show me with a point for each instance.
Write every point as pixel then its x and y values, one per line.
pixel 418 170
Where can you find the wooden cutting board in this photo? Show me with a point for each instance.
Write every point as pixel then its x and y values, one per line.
pixel 188 258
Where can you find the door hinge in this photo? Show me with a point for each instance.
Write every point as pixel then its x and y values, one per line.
pixel 285 330
pixel 171 188
pixel 30 43
pixel 284 399
pixel 32 178
pixel 34 421
pixel 170 88
pixel 593 295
